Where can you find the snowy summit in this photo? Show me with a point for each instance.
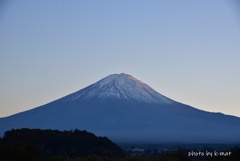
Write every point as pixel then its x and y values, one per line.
pixel 120 86
pixel 127 110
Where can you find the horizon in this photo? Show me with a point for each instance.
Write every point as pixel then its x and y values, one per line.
pixel 187 51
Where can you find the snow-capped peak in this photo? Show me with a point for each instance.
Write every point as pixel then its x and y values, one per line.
pixel 120 86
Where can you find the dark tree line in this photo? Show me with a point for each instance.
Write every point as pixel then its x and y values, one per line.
pixel 30 144
pixel 54 145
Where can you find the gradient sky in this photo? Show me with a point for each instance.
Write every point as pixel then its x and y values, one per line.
pixel 186 50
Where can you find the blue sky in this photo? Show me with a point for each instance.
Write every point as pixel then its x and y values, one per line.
pixel 186 50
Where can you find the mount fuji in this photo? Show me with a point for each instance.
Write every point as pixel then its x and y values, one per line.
pixel 127 110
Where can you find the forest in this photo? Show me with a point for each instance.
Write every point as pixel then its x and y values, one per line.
pixel 76 145
pixel 30 144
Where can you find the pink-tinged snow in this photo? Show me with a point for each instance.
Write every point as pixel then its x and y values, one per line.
pixel 121 86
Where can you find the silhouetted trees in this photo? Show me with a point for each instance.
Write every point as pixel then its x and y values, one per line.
pixel 29 144
pixel 77 145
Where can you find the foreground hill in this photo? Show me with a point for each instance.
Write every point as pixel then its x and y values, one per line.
pixel 29 144
pixel 127 110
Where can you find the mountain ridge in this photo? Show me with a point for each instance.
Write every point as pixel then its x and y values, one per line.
pixel 125 109
pixel 122 86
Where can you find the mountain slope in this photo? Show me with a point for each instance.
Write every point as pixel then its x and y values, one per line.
pixel 119 86
pixel 127 110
